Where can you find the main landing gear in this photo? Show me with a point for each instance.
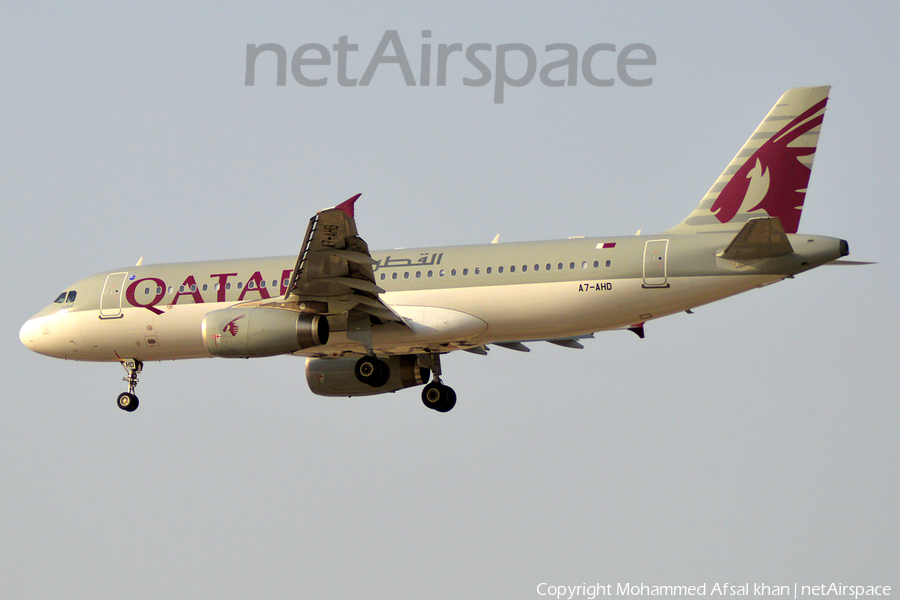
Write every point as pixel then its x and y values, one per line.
pixel 436 395
pixel 127 401
pixel 373 371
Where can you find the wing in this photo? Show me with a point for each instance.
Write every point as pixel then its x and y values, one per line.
pixel 334 271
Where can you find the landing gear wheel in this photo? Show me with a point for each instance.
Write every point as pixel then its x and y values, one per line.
pixel 439 397
pixel 127 401
pixel 372 371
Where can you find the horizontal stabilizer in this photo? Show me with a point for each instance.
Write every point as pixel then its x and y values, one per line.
pixel 758 238
pixel 850 263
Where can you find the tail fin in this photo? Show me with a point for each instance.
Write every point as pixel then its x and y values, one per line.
pixel 769 176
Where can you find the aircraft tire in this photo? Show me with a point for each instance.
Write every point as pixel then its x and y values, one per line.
pixel 439 397
pixel 127 402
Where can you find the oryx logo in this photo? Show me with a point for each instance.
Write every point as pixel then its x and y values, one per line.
pixel 232 326
pixel 773 178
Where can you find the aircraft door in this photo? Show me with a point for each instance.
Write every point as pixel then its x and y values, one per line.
pixel 111 297
pixel 655 264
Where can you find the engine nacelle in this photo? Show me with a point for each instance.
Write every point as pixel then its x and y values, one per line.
pixel 261 331
pixel 336 377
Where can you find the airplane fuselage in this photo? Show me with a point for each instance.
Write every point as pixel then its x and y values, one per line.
pixel 453 297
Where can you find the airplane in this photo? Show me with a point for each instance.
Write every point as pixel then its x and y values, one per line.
pixel 376 322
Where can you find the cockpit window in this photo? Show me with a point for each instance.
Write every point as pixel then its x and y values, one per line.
pixel 66 298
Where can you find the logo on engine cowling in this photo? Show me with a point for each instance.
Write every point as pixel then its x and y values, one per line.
pixel 232 326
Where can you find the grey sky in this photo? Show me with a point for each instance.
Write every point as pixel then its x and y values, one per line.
pixel 755 440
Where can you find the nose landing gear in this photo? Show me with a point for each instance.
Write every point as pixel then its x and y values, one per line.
pixel 127 401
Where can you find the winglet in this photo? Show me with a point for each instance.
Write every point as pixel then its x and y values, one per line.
pixel 347 205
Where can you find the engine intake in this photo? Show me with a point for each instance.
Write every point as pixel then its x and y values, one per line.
pixel 261 331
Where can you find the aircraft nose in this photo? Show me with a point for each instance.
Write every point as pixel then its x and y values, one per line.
pixel 29 334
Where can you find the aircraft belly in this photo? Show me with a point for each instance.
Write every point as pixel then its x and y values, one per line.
pixel 561 309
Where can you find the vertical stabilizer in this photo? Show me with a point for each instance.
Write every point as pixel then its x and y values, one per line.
pixel 769 176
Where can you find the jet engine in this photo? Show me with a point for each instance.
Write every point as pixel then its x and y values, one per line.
pixel 337 376
pixel 261 331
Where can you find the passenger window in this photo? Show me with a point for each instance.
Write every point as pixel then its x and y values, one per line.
pixel 608 263
pixel 170 289
pixel 250 285
pixel 228 285
pixel 146 291
pixel 512 269
pixel 499 269
pixel 524 268
pixel 418 274
pixel 477 270
pixel 537 267
pixel 262 283
pixel 71 297
pixel 596 263
pixel 193 288
pixel 441 273
pixel 382 276
pixel 394 275
pixel 240 284
pixel 406 275
pixel 286 282
pixel 430 273
pixel 559 267
pixel 571 265
pixel 488 270
pixel 549 266
pixel 159 290
pixel 205 287
pixel 584 264
pixel 465 271
pixel 452 272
